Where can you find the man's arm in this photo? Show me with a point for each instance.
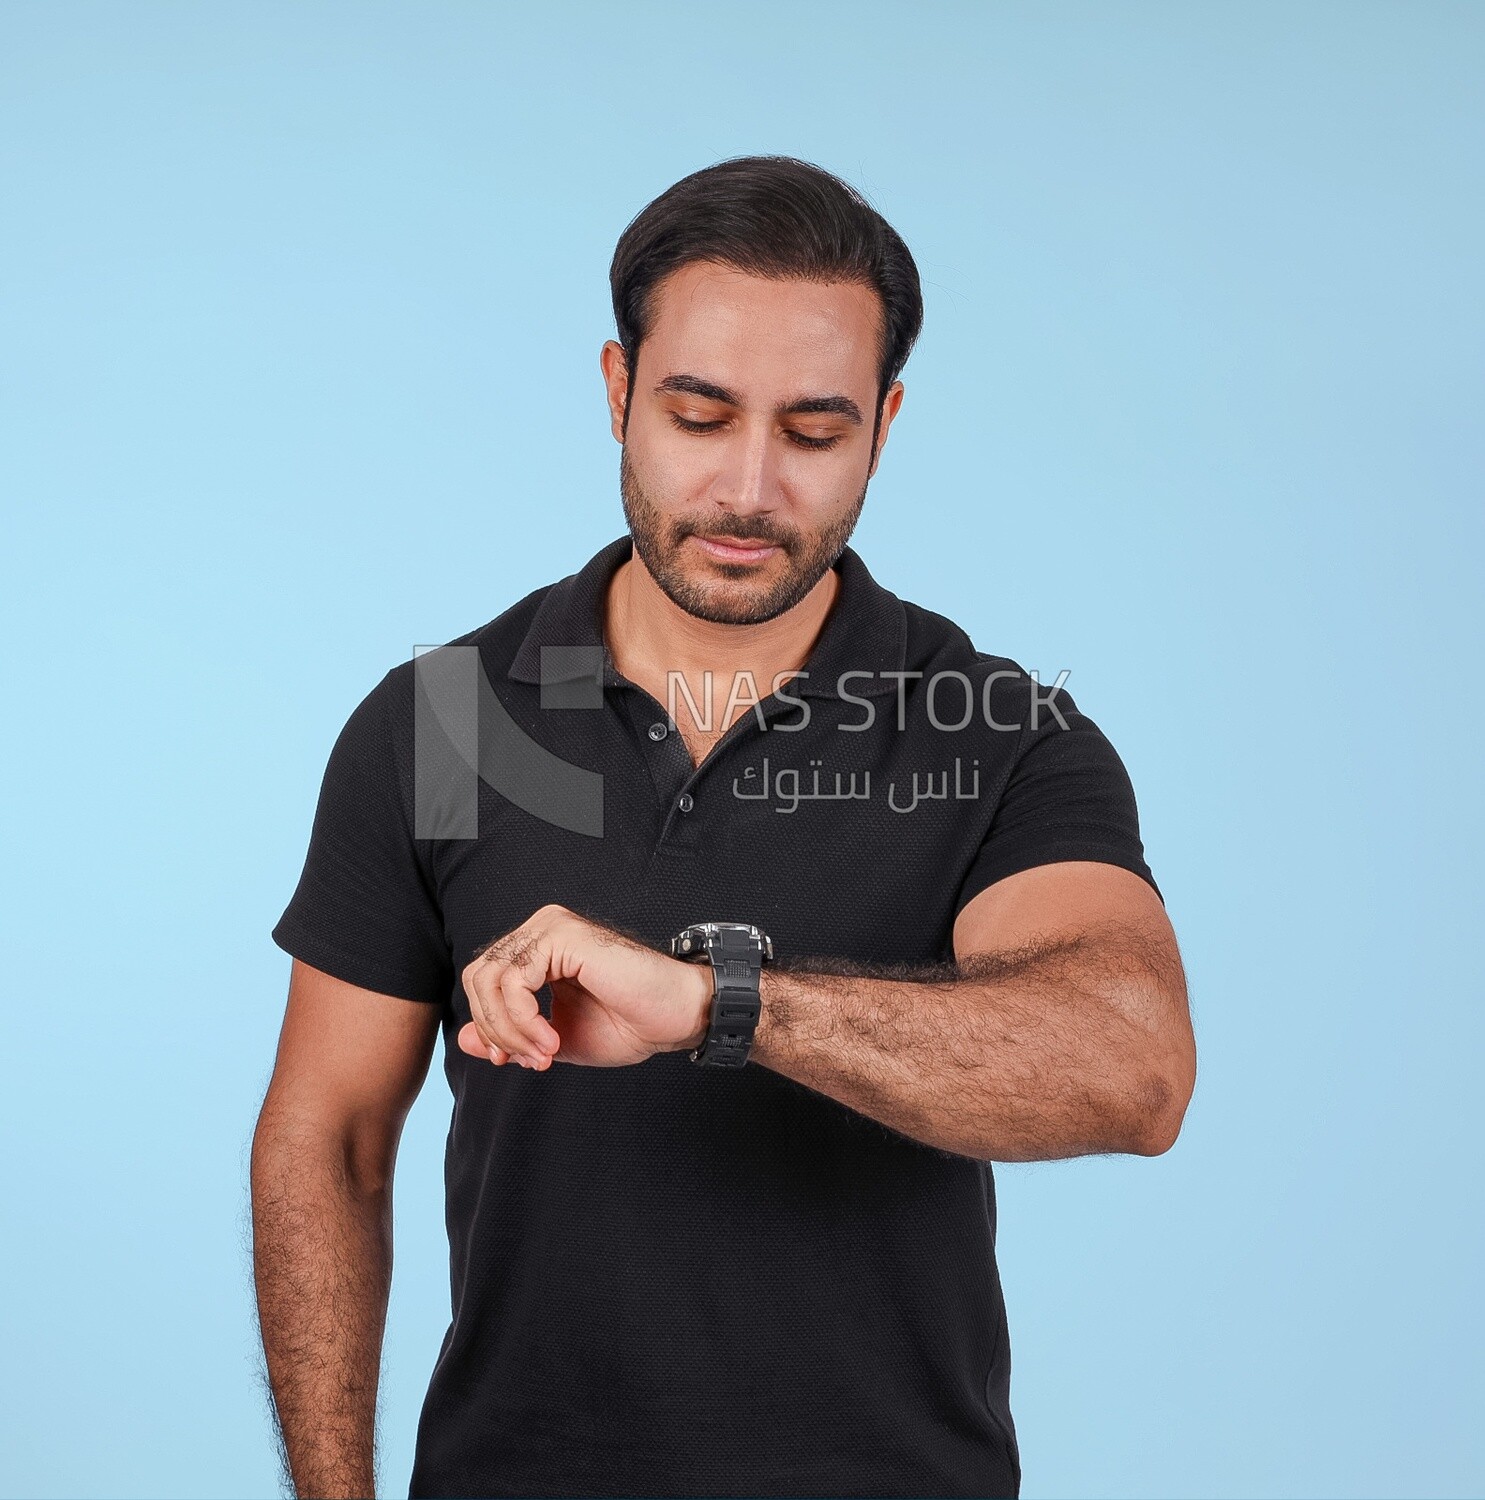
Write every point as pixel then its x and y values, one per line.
pixel 350 1063
pixel 1063 1031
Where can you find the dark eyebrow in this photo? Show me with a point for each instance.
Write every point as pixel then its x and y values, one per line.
pixel 694 385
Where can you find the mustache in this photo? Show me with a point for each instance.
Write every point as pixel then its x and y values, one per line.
pixel 741 530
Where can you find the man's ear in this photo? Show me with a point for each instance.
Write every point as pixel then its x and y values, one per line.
pixel 615 367
pixel 891 403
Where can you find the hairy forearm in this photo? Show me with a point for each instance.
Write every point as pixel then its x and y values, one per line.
pixel 322 1263
pixel 1047 1051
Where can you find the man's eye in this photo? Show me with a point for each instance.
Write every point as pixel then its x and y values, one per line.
pixel 817 445
pixel 688 426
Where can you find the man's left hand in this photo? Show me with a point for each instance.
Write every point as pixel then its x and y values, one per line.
pixel 614 1001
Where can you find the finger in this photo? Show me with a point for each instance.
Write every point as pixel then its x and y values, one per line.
pixel 475 980
pixel 530 967
pixel 537 965
pixel 534 1036
pixel 487 1010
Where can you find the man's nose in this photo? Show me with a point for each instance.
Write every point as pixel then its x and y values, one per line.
pixel 748 484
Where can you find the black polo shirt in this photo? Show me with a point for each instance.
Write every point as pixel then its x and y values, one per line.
pixel 670 1279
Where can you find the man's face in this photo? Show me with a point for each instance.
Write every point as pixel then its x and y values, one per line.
pixel 748 447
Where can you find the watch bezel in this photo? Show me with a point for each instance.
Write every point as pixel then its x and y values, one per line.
pixel 702 931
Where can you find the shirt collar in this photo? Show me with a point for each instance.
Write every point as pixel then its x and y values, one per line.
pixel 865 631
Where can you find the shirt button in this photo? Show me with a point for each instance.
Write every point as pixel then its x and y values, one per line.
pixel 658 731
pixel 685 802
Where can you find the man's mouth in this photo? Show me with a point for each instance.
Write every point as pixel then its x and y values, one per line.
pixel 733 549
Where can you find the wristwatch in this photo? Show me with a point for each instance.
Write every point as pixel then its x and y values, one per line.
pixel 737 951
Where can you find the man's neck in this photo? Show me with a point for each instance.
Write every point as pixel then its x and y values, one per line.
pixel 650 636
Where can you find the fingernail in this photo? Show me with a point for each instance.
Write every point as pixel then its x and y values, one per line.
pixel 495 1054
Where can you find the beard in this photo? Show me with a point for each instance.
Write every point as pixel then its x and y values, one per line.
pixel 740 598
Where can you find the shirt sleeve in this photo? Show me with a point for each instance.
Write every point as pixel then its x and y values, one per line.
pixel 1068 797
pixel 365 908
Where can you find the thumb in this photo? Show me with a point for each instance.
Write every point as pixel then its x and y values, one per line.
pixel 470 1041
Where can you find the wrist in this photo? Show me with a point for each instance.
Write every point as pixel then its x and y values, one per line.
pixel 698 1004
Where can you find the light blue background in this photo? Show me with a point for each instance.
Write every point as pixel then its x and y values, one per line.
pixel 300 311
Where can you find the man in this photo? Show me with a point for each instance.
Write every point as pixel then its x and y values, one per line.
pixel 720 1203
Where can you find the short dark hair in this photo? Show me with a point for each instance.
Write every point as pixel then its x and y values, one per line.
pixel 774 216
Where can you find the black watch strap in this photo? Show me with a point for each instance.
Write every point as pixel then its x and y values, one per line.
pixel 737 951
